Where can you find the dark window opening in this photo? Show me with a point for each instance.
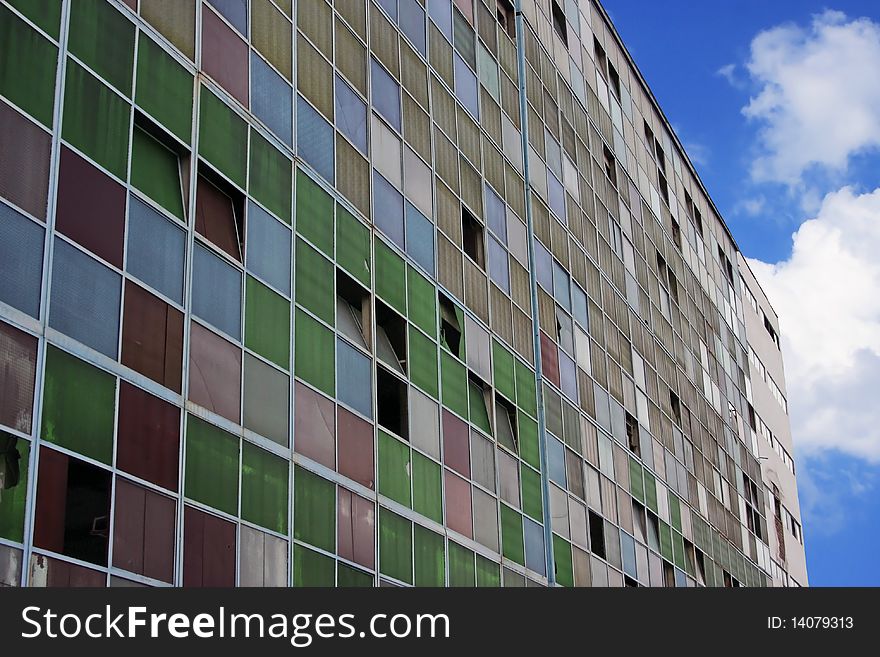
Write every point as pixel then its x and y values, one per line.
pixel 632 434
pixel 629 581
pixel 698 219
pixel 597 535
pixel 668 575
pixel 610 168
pixel 352 310
pixel 391 400
pixel 220 212
pixel 771 330
pixel 505 421
pixel 472 236
pixel 676 407
pixel 700 567
pixel 664 186
pixel 390 338
pixel 506 17
pixel 614 81
pixel 559 23
pixel 660 155
pixel 676 234
pixel 450 326
pixel 601 60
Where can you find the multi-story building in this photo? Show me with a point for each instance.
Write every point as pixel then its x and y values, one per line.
pixel 369 293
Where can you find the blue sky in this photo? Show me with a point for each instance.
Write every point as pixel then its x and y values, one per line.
pixel 778 104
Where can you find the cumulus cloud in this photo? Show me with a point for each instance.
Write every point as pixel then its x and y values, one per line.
pixel 827 294
pixel 818 98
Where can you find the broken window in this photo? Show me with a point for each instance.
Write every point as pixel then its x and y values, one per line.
pixel 219 213
pixel 450 326
pixel 559 23
pixel 676 407
pixel 352 310
pixel 601 60
pixel 391 399
pixel 479 398
pixel 610 169
pixel 506 17
pixel 632 434
pixel 391 338
pixel 472 237
pixel 505 421
pixel 597 535
pixel 614 81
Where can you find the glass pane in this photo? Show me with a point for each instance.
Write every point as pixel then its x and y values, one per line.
pixel 420 238
pixel 103 39
pixel 427 494
pixel 395 546
pixel 311 568
pixel 224 56
pixel 216 291
pixel 356 459
pixel 423 361
pixel 148 441
pixel 155 250
pixel 152 337
pixel 235 11
pixel 21 251
pixel 14 484
pixel 314 360
pixel 466 88
pixel 266 395
pixel 425 421
pixel 27 69
pixel 458 504
pixel 267 323
pixel 388 209
pixel 314 282
pixel 24 167
pixel 422 302
pixel 143 531
pixel 351 115
pixel 353 246
pixel 394 469
pixel 271 99
pixel 354 378
pixel 357 527
pixel 164 88
pixel 412 22
pixel 314 139
pixel 430 566
pixel 314 213
pixel 264 491
pixel 386 94
pixel 270 179
pixel 390 277
pixel 218 216
pixel 208 549
pixel 268 248
pixel 223 137
pixel 155 170
pixel 461 566
pixel 315 426
pixel 453 376
pixel 534 541
pixel 214 372
pixel 211 465
pixel 314 511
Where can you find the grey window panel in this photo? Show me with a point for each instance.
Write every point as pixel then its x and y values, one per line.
pixel 482 461
pixel 348 322
pixel 556 459
pixel 441 13
pixel 534 543
pixel 271 99
pixel 314 139
pixel 85 299
pixel 351 115
pixel 485 519
pixel 155 250
pixel 235 11
pixel 388 209
pixel 420 238
pixel 21 252
pixel 216 292
pixel 268 248
pixel 354 378
pixel 412 22
pixel 266 400
pixel 499 265
pixel 424 418
pixel 466 87
pixel 386 94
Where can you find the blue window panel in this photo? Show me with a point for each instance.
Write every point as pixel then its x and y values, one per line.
pixel 85 299
pixel 534 543
pixel 556 196
pixel 388 209
pixel 354 378
pixel 271 99
pixel 441 13
pixel 351 115
pixel 496 215
pixel 156 248
pixel 628 554
pixel 466 86
pixel 235 11
pixel 419 238
pixel 412 22
pixel 556 460
pixel 568 376
pixel 579 306
pixel 268 248
pixel 561 286
pixel 21 255
pixel 499 265
pixel 386 94
pixel 216 291
pixel 314 139
pixel 544 267
pixel 390 6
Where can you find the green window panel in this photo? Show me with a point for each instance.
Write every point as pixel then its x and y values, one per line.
pixel 14 497
pixel 529 446
pixel 488 573
pixel 267 323
pixel 636 485
pixel 530 482
pixel 503 371
pixel 678 550
pixel 314 213
pixel 164 88
pixel 96 120
pixel 512 535
pixel 27 68
pixel 211 465
pixel 155 171
pixel 423 362
pixel 353 246
pixel 314 282
pixel 312 568
pixel 223 138
pixel 479 412
pixel 461 566
pixel 270 177
pixel 427 491
pixel 103 39
pixel 562 559
pixel 666 541
pixel 454 381
pixel 674 511
pixel 430 563
pixel 422 302
pixel 394 469
pixel 264 488
pixel 78 406
pixel 395 546
pixel 314 509
pixel 45 13
pixel 314 358
pixel 390 277
pixel 348 577
pixel 526 395
pixel 651 492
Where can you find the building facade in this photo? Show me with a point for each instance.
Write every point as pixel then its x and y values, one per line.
pixel 370 292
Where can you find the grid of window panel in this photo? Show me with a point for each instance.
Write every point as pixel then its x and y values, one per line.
pixel 268 312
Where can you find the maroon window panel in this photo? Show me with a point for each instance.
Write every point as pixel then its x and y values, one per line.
pixel 24 162
pixel 214 373
pixel 148 444
pixel 356 526
pixel 224 55
pixel 143 533
pixel 456 445
pixel 458 504
pixel 208 550
pixel 549 359
pixel 90 208
pixel 356 459
pixel 216 219
pixel 53 573
pixel 18 368
pixel 152 337
pixel 315 426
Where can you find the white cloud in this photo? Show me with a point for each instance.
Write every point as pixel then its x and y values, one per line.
pixel 729 73
pixel 827 295
pixel 751 207
pixel 819 96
